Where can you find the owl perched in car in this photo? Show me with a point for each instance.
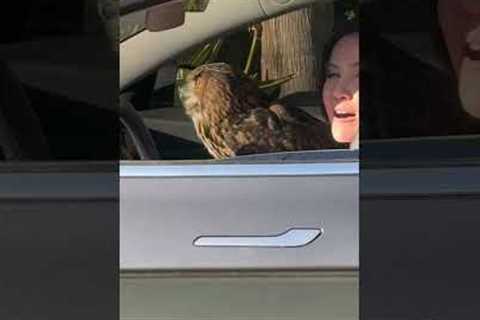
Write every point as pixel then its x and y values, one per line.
pixel 232 117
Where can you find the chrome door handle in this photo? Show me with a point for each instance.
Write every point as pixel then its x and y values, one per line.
pixel 295 237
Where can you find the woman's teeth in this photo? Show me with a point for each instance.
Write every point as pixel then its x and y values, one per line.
pixel 343 114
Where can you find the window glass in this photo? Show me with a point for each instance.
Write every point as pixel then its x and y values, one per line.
pixel 421 73
pixel 275 62
pixel 58 82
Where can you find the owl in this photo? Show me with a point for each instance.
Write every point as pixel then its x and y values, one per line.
pixel 232 117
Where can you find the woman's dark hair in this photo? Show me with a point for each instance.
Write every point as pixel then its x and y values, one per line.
pixel 328 48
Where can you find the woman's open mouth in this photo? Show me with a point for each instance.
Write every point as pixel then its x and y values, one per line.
pixel 344 116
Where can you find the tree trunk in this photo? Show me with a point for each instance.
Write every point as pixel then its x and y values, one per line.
pixel 293 43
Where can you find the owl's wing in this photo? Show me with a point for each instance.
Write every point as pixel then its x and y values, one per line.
pixel 277 129
pixel 308 131
pixel 255 131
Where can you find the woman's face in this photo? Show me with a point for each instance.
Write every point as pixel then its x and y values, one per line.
pixel 341 91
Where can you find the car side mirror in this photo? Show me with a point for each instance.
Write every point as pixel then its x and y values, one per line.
pixel 166 15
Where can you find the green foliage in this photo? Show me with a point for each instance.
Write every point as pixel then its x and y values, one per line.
pixel 195 5
pixel 206 54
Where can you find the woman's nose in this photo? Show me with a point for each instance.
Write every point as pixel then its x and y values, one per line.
pixel 344 90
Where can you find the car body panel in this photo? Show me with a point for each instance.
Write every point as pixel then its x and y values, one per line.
pixel 233 296
pixel 162 215
pixel 420 199
pixel 418 243
pixel 59 240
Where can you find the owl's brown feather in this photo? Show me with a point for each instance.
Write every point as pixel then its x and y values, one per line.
pixel 232 117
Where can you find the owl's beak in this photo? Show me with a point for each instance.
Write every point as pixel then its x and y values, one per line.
pixel 182 82
pixel 181 90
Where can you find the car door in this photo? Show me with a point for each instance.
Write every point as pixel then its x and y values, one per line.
pixel 284 226
pixel 419 222
pixel 58 168
pixel 258 236
pixel 59 239
pixel 419 171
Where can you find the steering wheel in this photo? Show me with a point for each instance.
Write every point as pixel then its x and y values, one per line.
pixel 21 134
pixel 137 130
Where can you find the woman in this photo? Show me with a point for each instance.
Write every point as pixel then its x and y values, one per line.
pixel 341 88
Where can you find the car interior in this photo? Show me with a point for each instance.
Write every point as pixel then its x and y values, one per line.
pixel 16 142
pixel 155 95
pixel 422 68
pixel 56 101
pixel 408 60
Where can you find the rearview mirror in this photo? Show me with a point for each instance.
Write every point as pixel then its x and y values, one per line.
pixel 164 16
pixel 154 15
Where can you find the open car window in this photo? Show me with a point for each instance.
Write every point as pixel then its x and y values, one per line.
pixel 57 103
pixel 421 62
pixel 157 96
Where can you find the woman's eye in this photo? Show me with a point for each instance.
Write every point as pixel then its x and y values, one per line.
pixel 332 74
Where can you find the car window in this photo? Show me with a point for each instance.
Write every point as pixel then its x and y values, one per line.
pixel 418 81
pixel 56 102
pixel 260 57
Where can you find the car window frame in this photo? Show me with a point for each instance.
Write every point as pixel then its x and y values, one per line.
pixel 421 152
pixel 303 158
pixel 335 162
